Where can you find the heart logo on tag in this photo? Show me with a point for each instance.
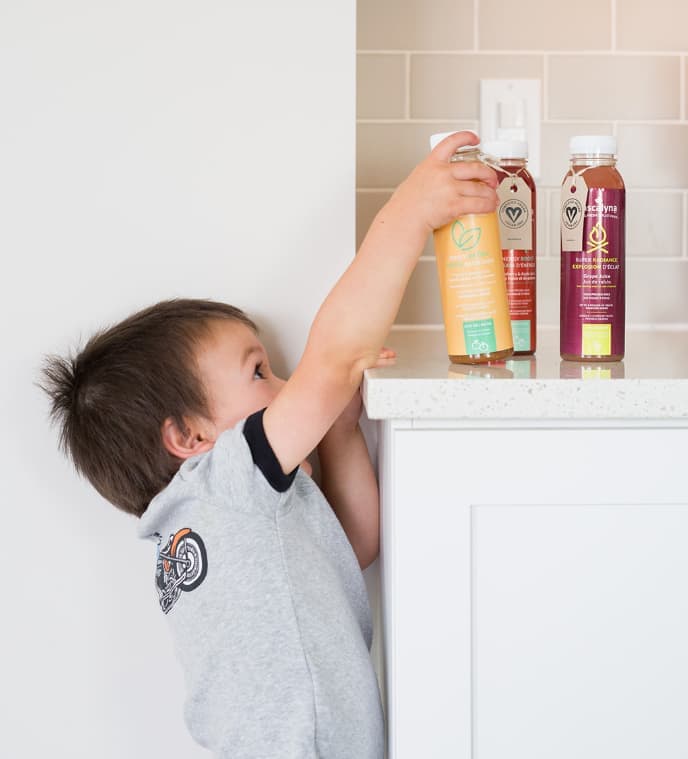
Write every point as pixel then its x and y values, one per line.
pixel 571 213
pixel 513 214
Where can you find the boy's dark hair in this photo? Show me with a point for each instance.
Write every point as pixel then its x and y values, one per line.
pixel 111 399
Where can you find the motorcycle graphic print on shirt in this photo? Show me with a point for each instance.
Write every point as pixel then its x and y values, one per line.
pixel 181 566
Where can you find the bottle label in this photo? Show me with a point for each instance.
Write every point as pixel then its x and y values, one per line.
pixel 521 328
pixel 593 277
pixel 574 195
pixel 519 271
pixel 480 336
pixel 515 214
pixel 473 286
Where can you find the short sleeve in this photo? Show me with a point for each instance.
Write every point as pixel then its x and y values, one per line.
pixel 240 470
pixel 263 455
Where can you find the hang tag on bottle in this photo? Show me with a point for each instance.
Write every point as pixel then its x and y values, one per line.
pixel 574 198
pixel 515 214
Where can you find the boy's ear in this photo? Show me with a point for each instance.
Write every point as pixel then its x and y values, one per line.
pixel 196 438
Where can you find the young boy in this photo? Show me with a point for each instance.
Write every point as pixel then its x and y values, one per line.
pixel 175 415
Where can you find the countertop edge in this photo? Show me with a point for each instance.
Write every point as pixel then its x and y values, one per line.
pixel 510 400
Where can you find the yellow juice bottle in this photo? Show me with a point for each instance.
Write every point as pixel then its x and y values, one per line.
pixel 473 289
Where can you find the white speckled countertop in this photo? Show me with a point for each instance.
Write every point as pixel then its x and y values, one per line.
pixel 650 384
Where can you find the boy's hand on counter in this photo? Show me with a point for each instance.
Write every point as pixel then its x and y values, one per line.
pixel 437 191
pixel 387 356
pixel 347 421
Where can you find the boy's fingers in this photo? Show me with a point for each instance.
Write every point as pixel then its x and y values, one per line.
pixel 470 189
pixel 386 356
pixel 450 144
pixel 476 205
pixel 475 171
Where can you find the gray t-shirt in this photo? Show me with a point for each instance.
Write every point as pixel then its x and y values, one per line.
pixel 267 606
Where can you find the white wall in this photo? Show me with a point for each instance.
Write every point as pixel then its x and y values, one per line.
pixel 147 149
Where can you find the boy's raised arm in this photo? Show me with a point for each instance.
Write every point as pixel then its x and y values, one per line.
pixel 355 318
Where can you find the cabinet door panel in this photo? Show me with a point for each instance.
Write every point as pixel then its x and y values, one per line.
pixel 535 585
pixel 580 623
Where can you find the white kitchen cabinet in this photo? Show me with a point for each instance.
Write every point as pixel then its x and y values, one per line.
pixel 534 567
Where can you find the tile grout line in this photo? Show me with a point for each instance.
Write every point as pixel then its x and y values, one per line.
pixel 528 52
pixel 544 212
pixel 682 85
pixel 551 189
pixel 476 29
pixel 407 89
pixel 613 41
pixel 642 259
pixel 663 326
pixel 684 241
pixel 657 190
pixel 564 122
pixel 555 197
pixel 370 190
pixel 631 122
pixel 545 87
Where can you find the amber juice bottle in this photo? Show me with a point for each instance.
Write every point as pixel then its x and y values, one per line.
pixel 517 229
pixel 593 209
pixel 472 284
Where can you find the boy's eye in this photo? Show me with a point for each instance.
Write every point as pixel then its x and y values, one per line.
pixel 258 371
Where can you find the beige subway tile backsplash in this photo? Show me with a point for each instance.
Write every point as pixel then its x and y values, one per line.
pixel 381 86
pixel 555 147
pixel 553 229
pixel 656 293
pixel 386 153
pixel 615 67
pixel 548 276
pixel 654 155
pixel 421 302
pixel 415 25
pixel 367 206
pixel 544 25
pixel 448 86
pixel 616 87
pixel 654 224
pixel 541 222
pixel 656 25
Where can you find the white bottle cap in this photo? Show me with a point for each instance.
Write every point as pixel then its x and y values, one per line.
pixel 595 144
pixel 506 148
pixel 435 139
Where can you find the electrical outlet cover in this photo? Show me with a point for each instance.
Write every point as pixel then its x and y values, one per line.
pixel 516 103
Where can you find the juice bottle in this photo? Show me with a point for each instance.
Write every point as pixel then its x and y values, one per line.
pixel 472 285
pixel 516 215
pixel 593 210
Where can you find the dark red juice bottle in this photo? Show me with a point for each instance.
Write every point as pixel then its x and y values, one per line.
pixel 516 214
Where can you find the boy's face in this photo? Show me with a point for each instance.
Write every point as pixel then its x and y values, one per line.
pixel 236 374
